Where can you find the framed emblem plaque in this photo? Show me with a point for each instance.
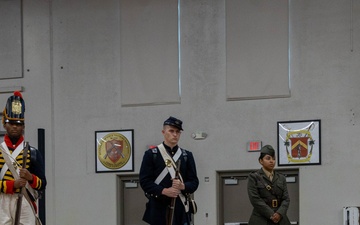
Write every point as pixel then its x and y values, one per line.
pixel 299 143
pixel 114 151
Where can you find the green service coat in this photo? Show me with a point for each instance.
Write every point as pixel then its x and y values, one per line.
pixel 259 196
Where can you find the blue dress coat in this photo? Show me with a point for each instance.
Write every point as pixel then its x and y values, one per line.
pixel 157 205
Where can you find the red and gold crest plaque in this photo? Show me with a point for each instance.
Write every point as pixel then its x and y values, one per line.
pixel 299 142
pixel 114 150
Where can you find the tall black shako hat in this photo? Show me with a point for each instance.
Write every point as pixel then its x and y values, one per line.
pixel 14 110
pixel 267 150
pixel 172 121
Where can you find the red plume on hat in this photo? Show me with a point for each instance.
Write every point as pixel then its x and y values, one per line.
pixel 18 94
pixel 14 110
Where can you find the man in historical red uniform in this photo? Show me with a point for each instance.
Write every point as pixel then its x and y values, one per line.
pixel 13 176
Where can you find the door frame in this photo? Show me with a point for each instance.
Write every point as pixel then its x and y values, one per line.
pixel 120 187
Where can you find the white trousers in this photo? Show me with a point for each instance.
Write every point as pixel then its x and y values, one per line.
pixel 8 210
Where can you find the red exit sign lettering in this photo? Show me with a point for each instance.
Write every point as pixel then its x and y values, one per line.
pixel 254 146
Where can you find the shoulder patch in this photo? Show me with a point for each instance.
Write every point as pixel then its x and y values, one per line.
pixel 254 173
pixel 154 150
pixel 184 152
pixel 280 174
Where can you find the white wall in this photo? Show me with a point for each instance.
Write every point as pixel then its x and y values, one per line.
pixel 72 89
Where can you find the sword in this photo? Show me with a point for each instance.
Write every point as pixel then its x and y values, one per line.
pixel 109 150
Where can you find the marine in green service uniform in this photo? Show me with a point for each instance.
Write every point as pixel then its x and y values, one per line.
pixel 267 190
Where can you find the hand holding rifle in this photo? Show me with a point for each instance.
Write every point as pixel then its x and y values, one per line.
pixel 23 173
pixel 176 185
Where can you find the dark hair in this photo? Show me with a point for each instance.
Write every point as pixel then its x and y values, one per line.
pixel 262 155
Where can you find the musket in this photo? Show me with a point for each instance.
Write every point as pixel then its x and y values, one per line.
pixel 173 200
pixel 19 200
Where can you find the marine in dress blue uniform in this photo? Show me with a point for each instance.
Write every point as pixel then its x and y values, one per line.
pixel 152 166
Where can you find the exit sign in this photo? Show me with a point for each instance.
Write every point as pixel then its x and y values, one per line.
pixel 253 146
